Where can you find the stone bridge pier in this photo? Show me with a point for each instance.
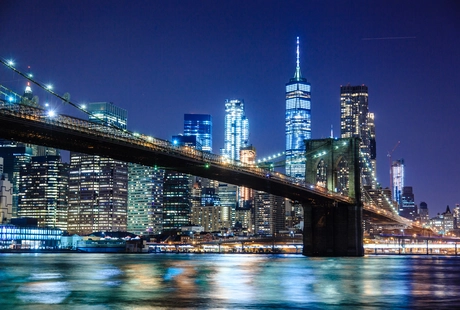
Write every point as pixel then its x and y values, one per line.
pixel 332 227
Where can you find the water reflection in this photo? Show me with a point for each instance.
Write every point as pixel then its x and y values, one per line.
pixel 147 281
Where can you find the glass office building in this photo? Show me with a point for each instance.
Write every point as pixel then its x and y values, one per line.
pixel 199 125
pixel 357 122
pixel 236 129
pixel 298 121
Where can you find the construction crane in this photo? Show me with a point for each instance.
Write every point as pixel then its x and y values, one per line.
pixel 390 161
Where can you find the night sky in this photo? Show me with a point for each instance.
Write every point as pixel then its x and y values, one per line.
pixel 161 59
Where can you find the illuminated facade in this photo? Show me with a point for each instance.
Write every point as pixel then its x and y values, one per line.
pixel 298 121
pixel 236 129
pixel 107 113
pixel 145 199
pixel 408 208
pixel 98 186
pixel 98 194
pixel 199 125
pixel 6 196
pixel 43 191
pixel 356 121
pixel 397 168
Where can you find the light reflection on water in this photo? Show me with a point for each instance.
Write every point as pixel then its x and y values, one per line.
pixel 211 281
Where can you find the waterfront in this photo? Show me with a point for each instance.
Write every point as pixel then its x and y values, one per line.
pixel 213 281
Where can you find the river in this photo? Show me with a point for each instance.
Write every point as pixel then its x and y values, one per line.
pixel 226 281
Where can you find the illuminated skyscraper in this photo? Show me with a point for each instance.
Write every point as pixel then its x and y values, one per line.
pixel 397 168
pixel 98 186
pixel 43 191
pixel 199 125
pixel 145 199
pixel 356 121
pixel 107 113
pixel 298 121
pixel 236 129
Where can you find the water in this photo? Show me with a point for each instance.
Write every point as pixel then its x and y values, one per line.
pixel 231 281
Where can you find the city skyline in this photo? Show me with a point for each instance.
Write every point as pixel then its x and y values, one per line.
pixel 141 55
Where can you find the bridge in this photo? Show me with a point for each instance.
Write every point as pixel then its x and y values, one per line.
pixel 333 225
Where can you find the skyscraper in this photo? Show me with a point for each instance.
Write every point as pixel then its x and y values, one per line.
pixel 43 191
pixel 356 121
pixel 199 125
pixel 98 186
pixel 236 129
pixel 145 199
pixel 408 208
pixel 298 121
pixel 397 169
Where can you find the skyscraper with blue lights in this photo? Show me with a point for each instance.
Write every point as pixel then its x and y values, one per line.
pixel 199 125
pixel 298 121
pixel 236 129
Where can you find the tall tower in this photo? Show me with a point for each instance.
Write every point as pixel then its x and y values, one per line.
pixel 356 121
pixel 199 125
pixel 397 168
pixel 298 121
pixel 236 129
pixel 98 186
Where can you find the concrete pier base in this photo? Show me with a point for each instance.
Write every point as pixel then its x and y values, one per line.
pixel 333 229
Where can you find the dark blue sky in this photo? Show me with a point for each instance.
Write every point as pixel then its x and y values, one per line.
pixel 161 59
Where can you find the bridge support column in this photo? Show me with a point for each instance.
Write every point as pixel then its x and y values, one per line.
pixel 333 229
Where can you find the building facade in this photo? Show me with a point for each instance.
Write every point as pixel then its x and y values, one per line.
pixel 356 121
pixel 98 186
pixel 236 129
pixel 199 125
pixel 145 200
pixel 298 121
pixel 43 191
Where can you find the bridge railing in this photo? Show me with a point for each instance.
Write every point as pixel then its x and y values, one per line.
pixel 38 114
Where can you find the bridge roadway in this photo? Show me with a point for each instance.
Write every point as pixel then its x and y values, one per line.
pixel 33 125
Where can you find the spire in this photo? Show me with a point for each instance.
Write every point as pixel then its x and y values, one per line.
pixel 298 76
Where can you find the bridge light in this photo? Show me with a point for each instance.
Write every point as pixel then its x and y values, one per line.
pixel 49 86
pixel 206 165
pixel 10 99
pixel 10 63
pixel 51 113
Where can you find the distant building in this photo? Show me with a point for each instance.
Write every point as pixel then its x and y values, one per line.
pixel 108 114
pixel 145 200
pixel 397 168
pixel 6 196
pixel 357 121
pixel 408 208
pixel 98 186
pixel 456 213
pixel 199 125
pixel 43 191
pixel 444 222
pixel 236 129
pixel 424 214
pixel 298 121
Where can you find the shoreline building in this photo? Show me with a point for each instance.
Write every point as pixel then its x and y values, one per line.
pixel 98 186
pixel 145 200
pixel 43 191
pixel 6 196
pixel 357 121
pixel 298 121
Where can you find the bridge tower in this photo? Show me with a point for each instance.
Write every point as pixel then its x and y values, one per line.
pixel 333 228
